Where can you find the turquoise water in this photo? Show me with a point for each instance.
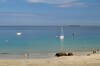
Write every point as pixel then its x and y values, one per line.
pixel 43 38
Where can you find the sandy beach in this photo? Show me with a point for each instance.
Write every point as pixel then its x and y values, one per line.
pixel 92 60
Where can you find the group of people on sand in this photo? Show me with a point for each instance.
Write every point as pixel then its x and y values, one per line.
pixel 95 51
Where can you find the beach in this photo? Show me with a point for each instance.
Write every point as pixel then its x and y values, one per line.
pixel 92 60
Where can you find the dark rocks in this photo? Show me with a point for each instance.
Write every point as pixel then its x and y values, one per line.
pixel 70 54
pixel 64 54
pixel 61 54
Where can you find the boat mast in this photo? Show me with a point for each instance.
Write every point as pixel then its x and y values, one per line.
pixel 62 31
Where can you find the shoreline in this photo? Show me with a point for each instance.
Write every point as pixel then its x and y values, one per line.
pixel 41 55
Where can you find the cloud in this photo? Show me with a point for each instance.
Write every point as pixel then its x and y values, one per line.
pixel 14 14
pixel 3 0
pixel 60 3
pixel 72 4
pixel 51 1
pixel 25 15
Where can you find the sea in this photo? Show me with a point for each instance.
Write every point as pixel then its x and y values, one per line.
pixel 43 39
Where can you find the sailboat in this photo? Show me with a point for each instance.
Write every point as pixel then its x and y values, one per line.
pixel 19 33
pixel 62 34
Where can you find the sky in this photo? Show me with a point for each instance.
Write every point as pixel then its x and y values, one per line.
pixel 49 12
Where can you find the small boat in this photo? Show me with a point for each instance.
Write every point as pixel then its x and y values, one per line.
pixel 19 33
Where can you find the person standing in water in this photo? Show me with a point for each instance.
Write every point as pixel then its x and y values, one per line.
pixel 73 35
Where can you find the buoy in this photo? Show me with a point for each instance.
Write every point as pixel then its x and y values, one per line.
pixel 6 41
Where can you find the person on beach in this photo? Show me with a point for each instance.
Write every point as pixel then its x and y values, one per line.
pixel 26 55
pixel 94 51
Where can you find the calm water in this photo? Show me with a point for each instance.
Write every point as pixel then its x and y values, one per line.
pixel 39 38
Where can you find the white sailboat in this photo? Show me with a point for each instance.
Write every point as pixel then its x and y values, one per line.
pixel 19 33
pixel 62 34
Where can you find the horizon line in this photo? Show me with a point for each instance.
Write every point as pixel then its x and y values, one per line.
pixel 52 25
